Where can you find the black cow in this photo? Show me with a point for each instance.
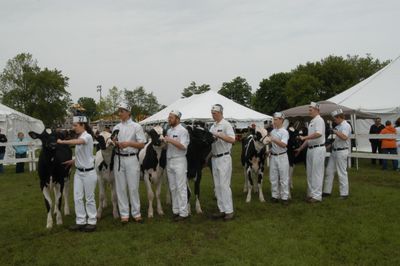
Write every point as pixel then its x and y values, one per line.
pixel 254 153
pixel 197 153
pixel 294 143
pixel 53 173
pixel 153 160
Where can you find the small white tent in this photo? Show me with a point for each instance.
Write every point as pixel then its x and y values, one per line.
pixel 379 95
pixel 198 108
pixel 12 122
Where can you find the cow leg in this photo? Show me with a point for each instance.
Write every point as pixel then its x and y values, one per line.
pixel 150 195
pixel 250 180
pixel 260 181
pixel 66 196
pixel 114 199
pixel 100 180
pixel 57 202
pixel 48 202
pixel 246 183
pixel 158 194
pixel 189 195
pixel 197 192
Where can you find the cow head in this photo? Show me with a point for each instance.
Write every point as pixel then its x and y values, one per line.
pixel 261 135
pixel 200 136
pixel 48 138
pixel 104 139
pixel 157 135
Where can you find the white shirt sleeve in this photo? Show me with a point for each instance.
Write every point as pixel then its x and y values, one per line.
pixel 319 126
pixel 140 134
pixel 229 130
pixel 86 138
pixel 285 136
pixel 185 139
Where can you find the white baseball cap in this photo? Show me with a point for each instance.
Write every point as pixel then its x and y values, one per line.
pixel 314 105
pixel 217 108
pixel 79 119
pixel 176 112
pixel 279 115
pixel 337 112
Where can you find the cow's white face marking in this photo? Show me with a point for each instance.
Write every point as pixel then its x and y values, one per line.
pixel 265 139
pixel 159 131
pixel 48 131
pixel 107 137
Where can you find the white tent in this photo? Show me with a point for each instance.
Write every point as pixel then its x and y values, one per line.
pixel 12 122
pixel 379 95
pixel 198 108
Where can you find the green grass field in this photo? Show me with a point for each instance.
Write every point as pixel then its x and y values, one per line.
pixel 363 230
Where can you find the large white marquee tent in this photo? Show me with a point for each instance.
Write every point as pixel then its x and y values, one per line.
pixel 198 108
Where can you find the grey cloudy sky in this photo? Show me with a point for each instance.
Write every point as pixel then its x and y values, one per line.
pixel 165 44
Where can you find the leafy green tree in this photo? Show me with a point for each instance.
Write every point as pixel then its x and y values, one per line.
pixel 270 97
pixel 193 89
pixel 238 90
pixel 39 93
pixel 90 106
pixel 140 102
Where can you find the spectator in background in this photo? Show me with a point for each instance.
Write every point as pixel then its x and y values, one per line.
pixel 397 124
pixel 20 152
pixel 3 139
pixel 389 145
pixel 376 143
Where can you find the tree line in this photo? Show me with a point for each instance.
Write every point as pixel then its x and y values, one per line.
pixel 42 93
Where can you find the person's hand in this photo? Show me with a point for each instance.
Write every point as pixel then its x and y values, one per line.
pixel 302 138
pixel 167 139
pixel 297 152
pixel 217 135
pixel 59 141
pixel 123 144
pixel 335 131
pixel 68 163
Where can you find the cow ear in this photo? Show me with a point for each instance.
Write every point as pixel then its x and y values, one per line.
pixel 34 135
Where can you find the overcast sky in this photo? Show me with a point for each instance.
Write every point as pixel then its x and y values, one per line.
pixel 163 45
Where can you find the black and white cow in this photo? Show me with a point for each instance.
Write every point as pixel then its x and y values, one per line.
pixel 197 153
pixel 153 160
pixel 254 153
pixel 104 170
pixel 53 173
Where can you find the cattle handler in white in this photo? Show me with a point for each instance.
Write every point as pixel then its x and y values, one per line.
pixel 338 159
pixel 129 140
pixel 85 178
pixel 178 140
pixel 279 161
pixel 222 163
pixel 315 142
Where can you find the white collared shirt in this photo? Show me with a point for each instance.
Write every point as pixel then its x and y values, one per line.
pixel 345 129
pixel 282 135
pixel 220 146
pixel 180 134
pixel 317 125
pixel 130 131
pixel 84 152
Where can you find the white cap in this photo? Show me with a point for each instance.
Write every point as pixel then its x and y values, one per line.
pixel 217 108
pixel 176 112
pixel 314 105
pixel 337 112
pixel 124 106
pixel 79 119
pixel 279 115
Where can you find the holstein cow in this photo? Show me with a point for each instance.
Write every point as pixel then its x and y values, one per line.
pixel 254 153
pixel 104 169
pixel 153 160
pixel 198 151
pixel 53 173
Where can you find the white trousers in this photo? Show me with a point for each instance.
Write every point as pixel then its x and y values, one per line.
pixel 222 174
pixel 279 176
pixel 315 172
pixel 177 179
pixel 84 186
pixel 127 185
pixel 337 163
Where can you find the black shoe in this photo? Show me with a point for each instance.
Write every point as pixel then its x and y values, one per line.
pixel 274 200
pixel 285 202
pixel 229 217
pixel 89 228
pixel 324 195
pixel 180 218
pixel 218 215
pixel 77 227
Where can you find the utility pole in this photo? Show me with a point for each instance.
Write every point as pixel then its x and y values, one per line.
pixel 99 90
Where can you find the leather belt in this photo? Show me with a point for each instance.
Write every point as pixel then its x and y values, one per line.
pixel 277 154
pixel 316 146
pixel 221 154
pixel 126 154
pixel 340 149
pixel 85 169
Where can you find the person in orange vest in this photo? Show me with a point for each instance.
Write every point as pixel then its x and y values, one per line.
pixel 389 145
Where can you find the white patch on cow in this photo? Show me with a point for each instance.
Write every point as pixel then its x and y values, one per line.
pixel 48 131
pixel 198 206
pixel 57 193
pixel 66 196
pixel 46 194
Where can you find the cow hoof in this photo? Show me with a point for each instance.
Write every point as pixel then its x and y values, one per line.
pixel 262 200
pixel 150 215
pixel 49 226
pixel 248 200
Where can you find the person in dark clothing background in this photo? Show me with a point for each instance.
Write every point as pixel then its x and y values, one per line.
pixel 376 143
pixel 3 139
